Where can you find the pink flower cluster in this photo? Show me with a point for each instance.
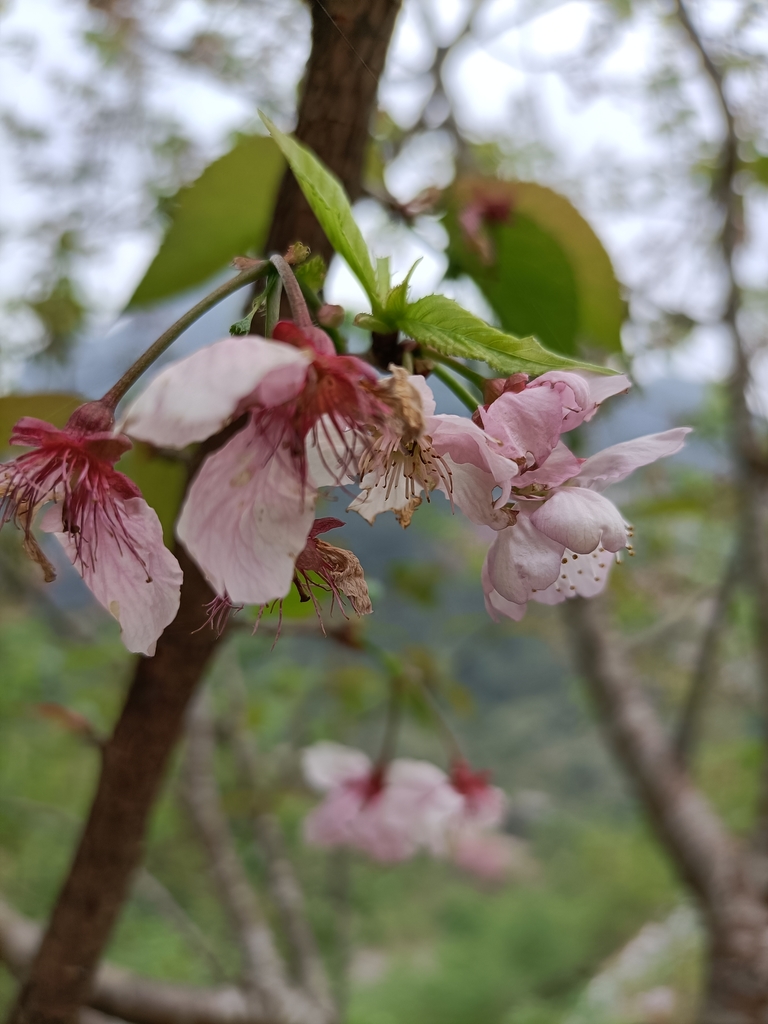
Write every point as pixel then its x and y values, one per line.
pixel 291 416
pixel 397 810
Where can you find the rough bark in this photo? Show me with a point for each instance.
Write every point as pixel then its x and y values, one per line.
pixel 350 42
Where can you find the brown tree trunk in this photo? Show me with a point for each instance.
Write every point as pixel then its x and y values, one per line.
pixel 736 987
pixel 350 39
pixel 350 42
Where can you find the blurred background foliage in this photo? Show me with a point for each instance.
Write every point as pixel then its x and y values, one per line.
pixel 133 177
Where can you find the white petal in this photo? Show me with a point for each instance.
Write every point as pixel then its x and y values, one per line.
pixel 580 576
pixel 375 498
pixel 327 764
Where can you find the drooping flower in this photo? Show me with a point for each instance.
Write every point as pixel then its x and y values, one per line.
pixel 250 508
pixel 393 811
pixel 110 534
pixel 567 533
pixel 416 452
pixel 338 570
pixel 388 812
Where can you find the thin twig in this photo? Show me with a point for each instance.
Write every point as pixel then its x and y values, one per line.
pixel 285 888
pixel 705 669
pixel 263 970
pixel 744 443
pixel 168 337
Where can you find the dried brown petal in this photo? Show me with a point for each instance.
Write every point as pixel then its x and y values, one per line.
pixel 344 571
pixel 404 401
pixel 405 515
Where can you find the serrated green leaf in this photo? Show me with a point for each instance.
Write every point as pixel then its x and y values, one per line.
pixel 442 323
pixel 312 274
pixel 330 204
pixel 540 266
pixel 52 407
pixel 223 214
pixel 397 297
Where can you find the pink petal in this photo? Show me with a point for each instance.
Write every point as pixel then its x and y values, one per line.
pixel 467 444
pixel 498 607
pixel 472 491
pixel 477 469
pixel 195 397
pixel 331 823
pixel 247 517
pixel 521 560
pixel 326 765
pixel 580 576
pixel 581 520
pixel 617 462
pixel 581 393
pixel 142 592
pixel 561 465
pixel 488 855
pixel 527 423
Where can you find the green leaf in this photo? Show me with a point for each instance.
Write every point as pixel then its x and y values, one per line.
pixel 442 323
pixel 52 407
pixel 160 480
pixel 397 297
pixel 223 214
pixel 539 264
pixel 330 204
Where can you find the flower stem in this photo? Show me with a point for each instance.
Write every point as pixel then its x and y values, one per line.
pixel 457 388
pixel 166 339
pixel 456 365
pixel 293 291
pixel 272 310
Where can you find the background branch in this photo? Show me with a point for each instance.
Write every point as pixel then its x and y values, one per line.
pixel 285 889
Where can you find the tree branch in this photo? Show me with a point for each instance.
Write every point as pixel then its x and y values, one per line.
pixel 122 994
pixel 744 441
pixel 333 119
pixel 685 823
pixel 705 669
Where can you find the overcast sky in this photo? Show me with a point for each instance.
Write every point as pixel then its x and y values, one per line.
pixel 506 82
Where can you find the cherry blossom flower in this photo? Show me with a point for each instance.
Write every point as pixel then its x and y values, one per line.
pixel 528 417
pixel 250 508
pixel 416 452
pixel 389 812
pixel 110 534
pixel 566 533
